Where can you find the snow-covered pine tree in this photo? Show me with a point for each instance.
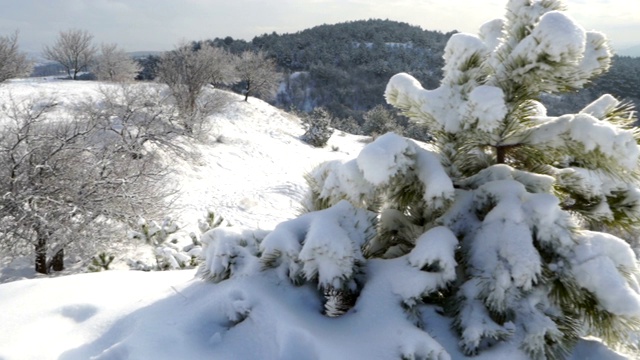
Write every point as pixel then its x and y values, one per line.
pixel 318 127
pixel 493 221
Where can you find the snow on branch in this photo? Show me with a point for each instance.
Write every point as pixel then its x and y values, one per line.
pixel 585 135
pixel 392 155
pixel 230 251
pixel 324 245
pixel 601 107
pixel 597 265
pixel 389 157
pixel 432 266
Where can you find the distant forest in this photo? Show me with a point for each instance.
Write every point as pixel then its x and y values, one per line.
pixel 345 67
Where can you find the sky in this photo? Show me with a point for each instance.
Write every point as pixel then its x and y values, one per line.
pixel 157 25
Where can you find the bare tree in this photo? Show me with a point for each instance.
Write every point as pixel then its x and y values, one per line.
pixel 66 184
pixel 13 63
pixel 139 115
pixel 73 50
pixel 114 64
pixel 258 75
pixel 186 71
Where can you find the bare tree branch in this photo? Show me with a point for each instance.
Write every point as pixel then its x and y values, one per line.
pixel 13 63
pixel 258 75
pixel 73 50
pixel 113 64
pixel 67 184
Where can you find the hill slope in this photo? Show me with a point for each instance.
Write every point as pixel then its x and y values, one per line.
pixel 249 169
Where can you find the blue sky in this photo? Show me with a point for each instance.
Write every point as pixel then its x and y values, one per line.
pixel 160 24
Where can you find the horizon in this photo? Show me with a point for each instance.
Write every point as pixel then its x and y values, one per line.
pixel 158 25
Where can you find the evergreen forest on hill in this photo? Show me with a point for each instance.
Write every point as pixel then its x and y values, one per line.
pixel 345 67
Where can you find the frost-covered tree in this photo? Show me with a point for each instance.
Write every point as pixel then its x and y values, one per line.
pixel 258 75
pixel 68 184
pixel 141 116
pixel 73 50
pixel 494 223
pixel 186 71
pixel 13 62
pixel 114 64
pixel 378 121
pixel 318 127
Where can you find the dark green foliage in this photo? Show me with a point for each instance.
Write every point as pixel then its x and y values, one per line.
pixel 347 64
pixel 153 233
pixel 318 127
pixel 149 65
pixel 379 121
pixel 101 262
pixel 211 221
pixel 622 80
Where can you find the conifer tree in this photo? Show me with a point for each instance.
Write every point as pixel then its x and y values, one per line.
pixel 494 222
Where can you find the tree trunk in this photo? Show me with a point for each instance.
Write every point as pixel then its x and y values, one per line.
pixel 247 90
pixel 500 154
pixel 41 255
pixel 57 262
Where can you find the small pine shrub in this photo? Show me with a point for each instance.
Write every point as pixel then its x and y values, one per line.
pixel 101 262
pixel 318 127
pixel 152 232
pixel 348 125
pixel 211 221
pixel 379 121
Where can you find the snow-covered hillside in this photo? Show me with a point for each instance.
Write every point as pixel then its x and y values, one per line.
pixel 251 172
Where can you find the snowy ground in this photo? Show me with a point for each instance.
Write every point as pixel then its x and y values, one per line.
pixel 252 175
pixel 250 171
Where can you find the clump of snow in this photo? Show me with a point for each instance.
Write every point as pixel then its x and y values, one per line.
pixel 230 251
pixel 556 38
pixel 591 134
pixel 503 244
pixel 486 103
pixel 436 246
pixel 597 260
pixel 536 183
pixel 491 33
pixel 601 106
pixel 460 49
pixel 388 156
pixel 528 11
pixel 437 183
pixel 325 245
pixel 559 37
pixel 597 55
pixel 391 155
pixel 341 180
pixel 474 318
